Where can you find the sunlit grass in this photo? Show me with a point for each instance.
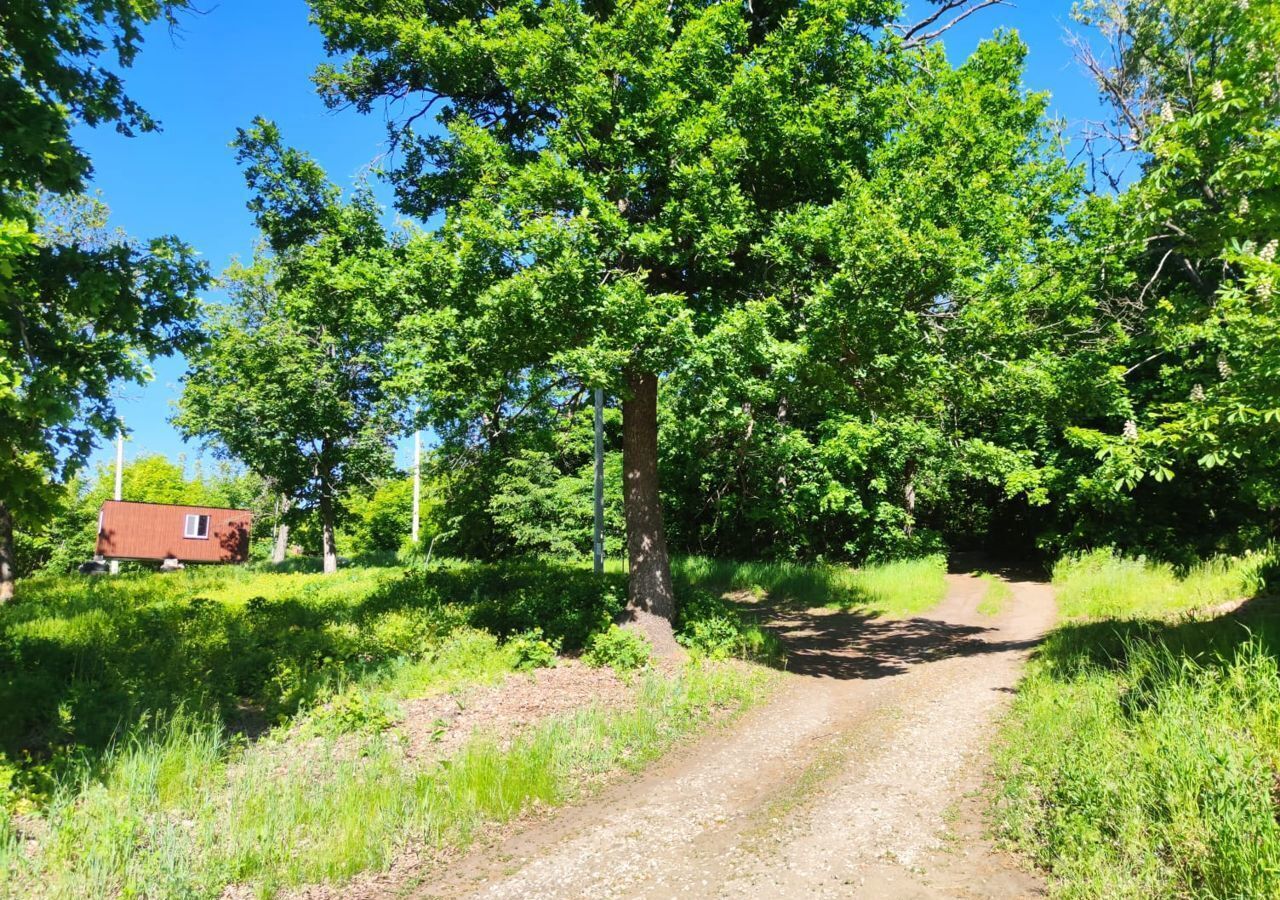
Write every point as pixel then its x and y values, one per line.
pixel 995 596
pixel 1102 584
pixel 185 811
pixel 1141 754
pixel 899 588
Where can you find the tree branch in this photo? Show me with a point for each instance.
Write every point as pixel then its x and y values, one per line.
pixel 916 36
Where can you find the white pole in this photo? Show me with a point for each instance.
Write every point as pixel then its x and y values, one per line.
pixel 417 483
pixel 119 466
pixel 119 494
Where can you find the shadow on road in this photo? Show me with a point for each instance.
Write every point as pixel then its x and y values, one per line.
pixel 834 644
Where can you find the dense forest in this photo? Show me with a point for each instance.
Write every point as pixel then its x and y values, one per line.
pixel 848 300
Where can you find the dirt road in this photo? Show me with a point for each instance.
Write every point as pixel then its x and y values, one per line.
pixel 857 779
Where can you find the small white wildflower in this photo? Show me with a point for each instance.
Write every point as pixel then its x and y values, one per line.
pixel 1264 289
pixel 1268 253
pixel 1197 393
pixel 1224 367
pixel 1130 432
pixel 1218 91
pixel 1166 112
pixel 1244 206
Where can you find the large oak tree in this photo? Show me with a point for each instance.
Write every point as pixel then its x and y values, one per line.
pixel 606 171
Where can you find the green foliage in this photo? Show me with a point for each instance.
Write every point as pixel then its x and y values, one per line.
pixel 619 648
pixel 532 651
pixel 291 379
pixel 1193 438
pixel 719 629
pixel 547 511
pixel 1140 757
pixel 567 603
pixel 180 809
pixel 352 712
pixel 82 308
pixel 380 520
pixel 1103 584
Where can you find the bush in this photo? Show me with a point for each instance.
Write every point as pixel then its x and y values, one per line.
pixel 717 628
pixel 352 712
pixel 568 603
pixel 531 650
pixel 618 648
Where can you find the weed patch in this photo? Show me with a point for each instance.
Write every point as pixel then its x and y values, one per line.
pixel 184 811
pixel 1141 754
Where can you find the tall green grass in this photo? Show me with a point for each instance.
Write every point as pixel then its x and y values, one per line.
pixel 899 588
pixel 181 811
pixel 1103 584
pixel 1142 754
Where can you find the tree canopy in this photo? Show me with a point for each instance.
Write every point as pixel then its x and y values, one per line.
pixel 81 309
pixel 291 380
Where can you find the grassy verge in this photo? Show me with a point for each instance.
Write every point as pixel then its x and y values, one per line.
pixel 900 588
pixel 127 707
pixel 1104 585
pixel 183 812
pixel 1142 754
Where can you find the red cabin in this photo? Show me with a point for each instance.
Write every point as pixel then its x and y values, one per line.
pixel 160 531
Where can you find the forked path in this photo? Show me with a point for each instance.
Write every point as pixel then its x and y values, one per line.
pixel 856 779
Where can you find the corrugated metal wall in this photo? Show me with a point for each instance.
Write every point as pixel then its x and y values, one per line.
pixel 129 530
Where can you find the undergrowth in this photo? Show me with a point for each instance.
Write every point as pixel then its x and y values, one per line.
pixel 898 588
pixel 1142 753
pixel 1103 584
pixel 183 810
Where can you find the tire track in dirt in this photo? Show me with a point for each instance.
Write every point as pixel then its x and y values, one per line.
pixel 846 783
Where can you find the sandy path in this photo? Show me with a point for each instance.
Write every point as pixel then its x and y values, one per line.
pixel 848 783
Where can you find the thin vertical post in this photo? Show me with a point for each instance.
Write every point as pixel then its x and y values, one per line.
pixel 417 484
pixel 119 494
pixel 598 543
pixel 119 491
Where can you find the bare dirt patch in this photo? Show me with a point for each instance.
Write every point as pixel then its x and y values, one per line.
pixel 437 727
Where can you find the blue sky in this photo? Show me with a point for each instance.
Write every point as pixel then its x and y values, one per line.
pixel 243 58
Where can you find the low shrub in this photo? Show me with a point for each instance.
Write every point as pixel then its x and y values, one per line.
pixel 618 648
pixel 353 712
pixel 531 650
pixel 568 603
pixel 719 629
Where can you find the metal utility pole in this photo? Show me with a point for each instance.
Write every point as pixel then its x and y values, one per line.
pixel 598 544
pixel 417 484
pixel 119 492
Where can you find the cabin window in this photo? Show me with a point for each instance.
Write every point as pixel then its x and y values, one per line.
pixel 196 527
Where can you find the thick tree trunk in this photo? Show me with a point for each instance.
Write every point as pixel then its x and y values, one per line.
pixel 651 603
pixel 8 561
pixel 281 549
pixel 326 532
